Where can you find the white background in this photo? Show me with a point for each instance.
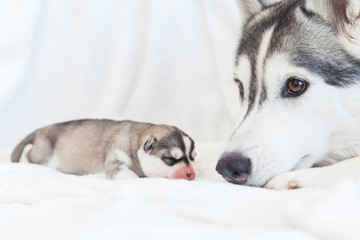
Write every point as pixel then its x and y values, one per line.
pixel 156 61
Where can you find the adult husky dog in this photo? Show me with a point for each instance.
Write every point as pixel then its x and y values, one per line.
pixel 298 73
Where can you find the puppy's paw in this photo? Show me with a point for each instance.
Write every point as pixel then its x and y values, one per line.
pixel 125 173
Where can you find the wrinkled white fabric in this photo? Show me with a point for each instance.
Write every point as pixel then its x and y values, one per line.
pixel 37 202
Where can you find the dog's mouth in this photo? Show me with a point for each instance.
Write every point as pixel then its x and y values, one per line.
pixel 241 179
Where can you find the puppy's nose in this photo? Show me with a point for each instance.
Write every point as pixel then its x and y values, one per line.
pixel 190 175
pixel 187 173
pixel 234 167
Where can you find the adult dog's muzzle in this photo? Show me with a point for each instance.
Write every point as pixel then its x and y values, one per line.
pixel 234 167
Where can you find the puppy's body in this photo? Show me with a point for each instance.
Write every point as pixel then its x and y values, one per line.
pixel 298 73
pixel 93 146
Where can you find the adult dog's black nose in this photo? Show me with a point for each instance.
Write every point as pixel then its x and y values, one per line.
pixel 234 167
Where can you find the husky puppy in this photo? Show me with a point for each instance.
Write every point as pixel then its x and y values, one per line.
pixel 298 74
pixel 94 146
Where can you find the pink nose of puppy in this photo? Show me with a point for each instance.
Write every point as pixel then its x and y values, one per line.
pixel 187 173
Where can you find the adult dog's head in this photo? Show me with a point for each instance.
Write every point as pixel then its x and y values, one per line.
pixel 298 74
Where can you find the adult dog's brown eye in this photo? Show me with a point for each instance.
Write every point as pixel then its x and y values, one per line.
pixel 296 86
pixel 241 87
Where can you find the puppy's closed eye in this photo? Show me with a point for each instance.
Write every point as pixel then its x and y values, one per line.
pixel 170 161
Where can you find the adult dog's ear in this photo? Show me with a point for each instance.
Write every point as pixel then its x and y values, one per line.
pixel 344 15
pixel 250 7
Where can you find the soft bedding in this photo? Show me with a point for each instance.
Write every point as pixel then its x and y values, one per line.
pixel 37 202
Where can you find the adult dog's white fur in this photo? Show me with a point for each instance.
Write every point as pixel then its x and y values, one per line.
pixel 285 137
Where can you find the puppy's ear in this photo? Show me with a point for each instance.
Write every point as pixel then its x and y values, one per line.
pixel 344 15
pixel 150 145
pixel 250 7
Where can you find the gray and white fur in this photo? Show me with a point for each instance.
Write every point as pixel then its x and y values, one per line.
pixel 298 74
pixel 93 146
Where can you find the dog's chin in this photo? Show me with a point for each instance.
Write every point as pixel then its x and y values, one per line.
pixel 307 161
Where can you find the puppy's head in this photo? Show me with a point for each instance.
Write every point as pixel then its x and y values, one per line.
pixel 166 151
pixel 294 72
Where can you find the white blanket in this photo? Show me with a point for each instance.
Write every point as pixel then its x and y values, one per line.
pixel 38 202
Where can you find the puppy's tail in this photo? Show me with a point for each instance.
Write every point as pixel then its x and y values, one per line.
pixel 17 152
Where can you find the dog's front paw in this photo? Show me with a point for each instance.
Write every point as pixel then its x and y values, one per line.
pixel 284 181
pixel 297 179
